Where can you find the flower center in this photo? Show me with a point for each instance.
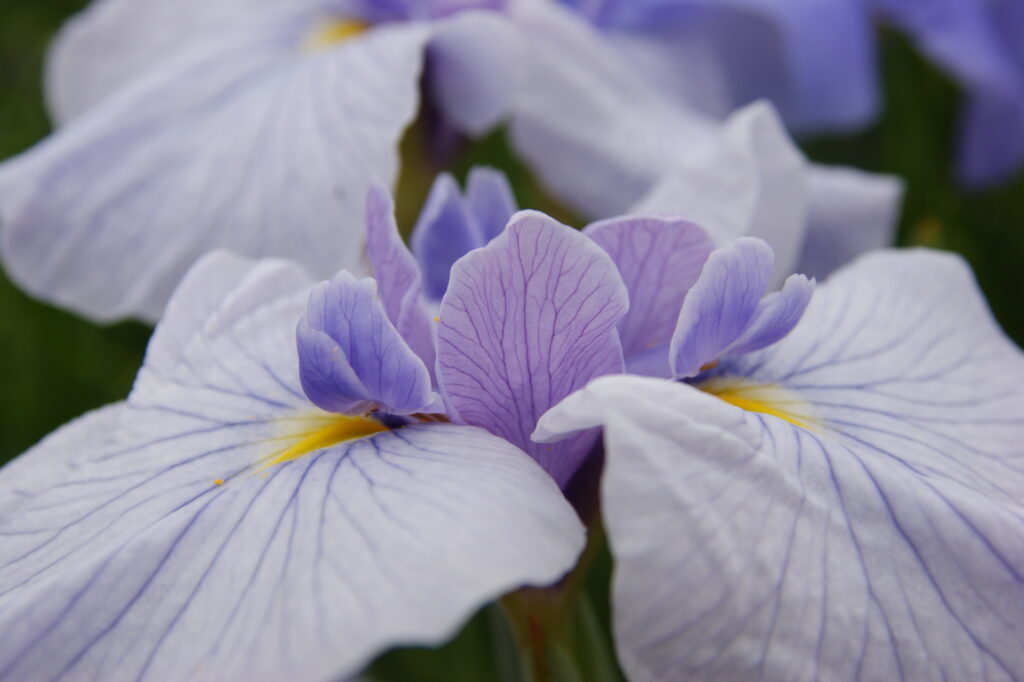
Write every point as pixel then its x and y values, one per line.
pixel 762 398
pixel 327 33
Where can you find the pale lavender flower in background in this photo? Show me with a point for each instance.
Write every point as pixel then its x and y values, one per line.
pixel 256 126
pixel 253 126
pixel 817 62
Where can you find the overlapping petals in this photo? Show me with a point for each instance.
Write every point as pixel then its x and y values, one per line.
pixel 526 321
pixel 724 313
pixel 846 503
pixel 204 529
pixel 352 359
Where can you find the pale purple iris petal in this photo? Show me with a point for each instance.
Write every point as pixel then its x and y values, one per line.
pixel 412 10
pixel 989 149
pixel 813 60
pixel 747 180
pixel 352 360
pixel 444 232
pixel 595 133
pixel 153 541
pixel 113 43
pixel 850 212
pixel 990 146
pixel 237 146
pixel 398 275
pixel 526 321
pixel 56 457
pixel 883 542
pixel 776 315
pixel 978 43
pixel 490 200
pixel 721 305
pixel 659 259
pixel 474 65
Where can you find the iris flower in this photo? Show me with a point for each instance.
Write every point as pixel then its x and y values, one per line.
pixel 846 504
pixel 787 494
pixel 817 61
pixel 256 127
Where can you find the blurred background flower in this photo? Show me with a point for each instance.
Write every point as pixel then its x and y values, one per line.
pixel 914 136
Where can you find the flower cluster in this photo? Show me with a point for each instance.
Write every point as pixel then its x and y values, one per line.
pixel 338 444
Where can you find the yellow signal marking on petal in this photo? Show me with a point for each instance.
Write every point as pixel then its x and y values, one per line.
pixel 218 481
pixel 437 318
pixel 330 431
pixel 762 398
pixel 327 33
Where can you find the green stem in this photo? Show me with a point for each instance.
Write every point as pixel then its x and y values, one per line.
pixel 558 637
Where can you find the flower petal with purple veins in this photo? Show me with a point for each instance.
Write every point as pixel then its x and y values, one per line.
pixel 352 360
pixel 398 275
pixel 150 540
pixel 444 232
pixel 721 305
pixel 776 315
pixel 879 536
pixel 659 259
pixel 527 320
pixel 245 143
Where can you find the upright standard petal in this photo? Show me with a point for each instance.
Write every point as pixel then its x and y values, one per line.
pixel 868 524
pixel 724 313
pixel 444 232
pixel 490 200
pixel 659 259
pixel 221 529
pixel 398 275
pixel 352 360
pixel 526 321
pixel 256 157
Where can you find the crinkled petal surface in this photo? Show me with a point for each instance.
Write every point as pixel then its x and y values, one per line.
pixel 527 320
pixel 352 360
pixel 445 232
pixel 659 259
pixel 165 548
pixel 849 212
pixel 883 541
pixel 721 306
pixel 247 143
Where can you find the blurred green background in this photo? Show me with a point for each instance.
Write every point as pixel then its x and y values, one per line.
pixel 54 366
